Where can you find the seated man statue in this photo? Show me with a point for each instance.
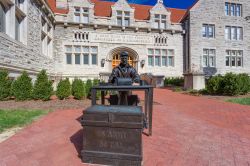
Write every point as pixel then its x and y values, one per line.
pixel 124 70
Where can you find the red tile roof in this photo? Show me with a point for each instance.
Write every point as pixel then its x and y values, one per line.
pixel 103 9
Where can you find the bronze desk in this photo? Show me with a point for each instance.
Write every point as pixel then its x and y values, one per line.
pixel 148 89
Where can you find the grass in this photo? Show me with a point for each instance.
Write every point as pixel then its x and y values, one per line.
pixel 243 101
pixel 18 118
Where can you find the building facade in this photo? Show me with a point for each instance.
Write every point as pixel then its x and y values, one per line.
pixel 83 38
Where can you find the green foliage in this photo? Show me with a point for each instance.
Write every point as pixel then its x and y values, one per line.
pixel 63 89
pixel 43 87
pixel 215 85
pixel 5 85
pixel 17 118
pixel 88 87
pixel 78 89
pixel 22 87
pixel 174 81
pixel 98 93
pixel 230 84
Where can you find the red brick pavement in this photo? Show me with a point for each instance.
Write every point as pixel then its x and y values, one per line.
pixel 187 131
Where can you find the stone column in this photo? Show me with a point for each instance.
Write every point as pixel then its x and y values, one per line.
pixel 195 80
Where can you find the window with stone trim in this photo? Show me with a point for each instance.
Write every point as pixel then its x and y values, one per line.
pixel 46 38
pixel 160 57
pixel 81 55
pixel 233 9
pixel 20 15
pixel 122 18
pixel 81 15
pixel 233 33
pixel 160 21
pixel 2 18
pixel 208 30
pixel 209 57
pixel 234 58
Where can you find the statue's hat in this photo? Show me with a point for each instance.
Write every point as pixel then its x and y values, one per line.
pixel 124 53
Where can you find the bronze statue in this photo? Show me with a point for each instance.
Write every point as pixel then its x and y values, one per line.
pixel 124 70
pixel 128 75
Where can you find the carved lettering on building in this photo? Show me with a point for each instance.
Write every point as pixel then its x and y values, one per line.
pixel 121 38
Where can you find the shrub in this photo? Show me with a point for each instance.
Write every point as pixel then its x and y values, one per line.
pixel 244 83
pixel 78 89
pixel 98 93
pixel 43 87
pixel 63 89
pixel 215 85
pixel 22 87
pixel 88 87
pixel 231 84
pixel 174 81
pixel 5 85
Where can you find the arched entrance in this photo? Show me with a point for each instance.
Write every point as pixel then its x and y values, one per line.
pixel 115 56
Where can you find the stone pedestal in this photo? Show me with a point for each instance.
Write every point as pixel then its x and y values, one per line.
pixel 194 81
pixel 112 135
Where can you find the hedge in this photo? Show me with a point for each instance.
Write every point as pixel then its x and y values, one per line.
pixel 5 85
pixel 63 89
pixel 78 89
pixel 174 81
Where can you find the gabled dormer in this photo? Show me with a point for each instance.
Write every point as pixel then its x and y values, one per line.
pixel 160 16
pixel 81 11
pixel 122 14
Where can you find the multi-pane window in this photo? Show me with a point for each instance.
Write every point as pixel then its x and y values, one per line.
pixel 234 58
pixel 123 18
pixel 81 55
pixel 160 57
pixel 46 38
pixel 2 19
pixel 233 9
pixel 208 58
pixel 233 33
pixel 208 30
pixel 160 21
pixel 19 19
pixel 81 15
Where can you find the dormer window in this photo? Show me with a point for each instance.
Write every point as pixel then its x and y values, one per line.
pixel 123 18
pixel 160 21
pixel 81 15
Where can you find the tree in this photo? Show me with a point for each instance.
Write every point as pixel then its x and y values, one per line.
pixel 78 89
pixel 63 89
pixel 5 85
pixel 43 87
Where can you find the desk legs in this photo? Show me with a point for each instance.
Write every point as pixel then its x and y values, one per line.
pixel 151 102
pixel 102 98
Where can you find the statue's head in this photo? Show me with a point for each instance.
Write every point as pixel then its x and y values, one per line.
pixel 124 57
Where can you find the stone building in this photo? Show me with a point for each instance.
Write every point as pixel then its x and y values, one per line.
pixel 82 38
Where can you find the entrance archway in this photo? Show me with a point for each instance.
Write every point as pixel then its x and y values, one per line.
pixel 115 56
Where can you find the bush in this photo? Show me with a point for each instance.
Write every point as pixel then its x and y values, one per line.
pixel 244 83
pixel 231 84
pixel 43 87
pixel 78 89
pixel 98 93
pixel 88 87
pixel 5 85
pixel 215 85
pixel 174 81
pixel 22 87
pixel 63 89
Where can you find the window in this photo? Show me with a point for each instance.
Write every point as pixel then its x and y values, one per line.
pixel 20 15
pixel 2 19
pixel 233 9
pixel 233 33
pixel 208 58
pixel 160 21
pixel 123 18
pixel 208 31
pixel 81 15
pixel 81 55
pixel 234 58
pixel 46 38
pixel 160 57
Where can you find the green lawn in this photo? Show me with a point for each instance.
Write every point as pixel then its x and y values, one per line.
pixel 243 101
pixel 18 118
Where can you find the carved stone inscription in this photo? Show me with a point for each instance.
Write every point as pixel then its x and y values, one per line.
pixel 113 140
pixel 121 38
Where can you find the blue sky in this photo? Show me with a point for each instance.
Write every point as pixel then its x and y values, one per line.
pixel 183 4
